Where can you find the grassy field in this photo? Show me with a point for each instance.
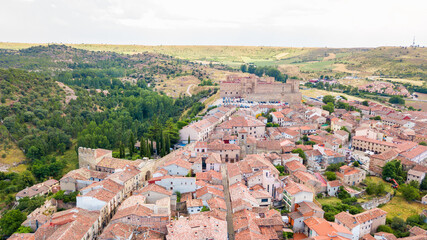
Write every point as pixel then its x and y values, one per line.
pixel 317 66
pixel 402 80
pixel 328 200
pixel 304 63
pixel 417 105
pixel 13 156
pixel 70 157
pixel 313 92
pixel 399 207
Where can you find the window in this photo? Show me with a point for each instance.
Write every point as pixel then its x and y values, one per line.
pixel 264 200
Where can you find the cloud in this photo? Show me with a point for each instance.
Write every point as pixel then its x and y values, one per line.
pixel 309 23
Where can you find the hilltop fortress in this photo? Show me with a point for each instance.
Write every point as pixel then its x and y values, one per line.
pixel 254 88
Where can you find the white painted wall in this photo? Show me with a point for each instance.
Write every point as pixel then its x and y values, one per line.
pixel 90 203
pixel 180 184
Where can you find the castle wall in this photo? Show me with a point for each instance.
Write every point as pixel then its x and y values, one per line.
pixel 260 89
pixel 88 158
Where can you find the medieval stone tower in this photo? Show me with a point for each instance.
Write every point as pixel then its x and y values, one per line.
pixel 88 158
pixel 242 137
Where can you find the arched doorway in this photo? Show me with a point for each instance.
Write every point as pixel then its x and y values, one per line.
pixel 147 175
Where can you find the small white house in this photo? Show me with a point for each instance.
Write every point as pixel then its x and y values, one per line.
pixel 177 167
pixel 177 184
pixel 333 187
pixel 194 206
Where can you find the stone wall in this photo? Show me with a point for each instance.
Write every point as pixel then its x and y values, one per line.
pixel 375 202
pixel 261 89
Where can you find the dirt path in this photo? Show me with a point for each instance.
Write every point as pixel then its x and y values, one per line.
pixel 188 90
pixel 229 217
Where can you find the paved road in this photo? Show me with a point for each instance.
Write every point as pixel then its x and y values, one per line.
pixel 229 218
pixel 188 90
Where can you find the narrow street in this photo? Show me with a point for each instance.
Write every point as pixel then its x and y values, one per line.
pixel 229 217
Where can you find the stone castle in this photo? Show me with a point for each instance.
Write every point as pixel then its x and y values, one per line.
pixel 88 158
pixel 258 89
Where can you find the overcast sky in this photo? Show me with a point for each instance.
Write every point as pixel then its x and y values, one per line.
pixel 290 23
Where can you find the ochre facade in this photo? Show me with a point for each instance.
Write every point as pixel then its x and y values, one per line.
pixel 253 88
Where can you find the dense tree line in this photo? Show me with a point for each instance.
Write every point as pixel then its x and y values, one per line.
pixel 34 114
pixel 268 71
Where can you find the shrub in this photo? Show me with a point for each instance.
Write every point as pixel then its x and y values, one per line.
pixel 331 176
pixel 384 228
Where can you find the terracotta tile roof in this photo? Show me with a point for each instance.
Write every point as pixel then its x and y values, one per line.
pixel 194 203
pixel 293 188
pixel 215 213
pixel 309 208
pixel 410 146
pixel 295 165
pixel 418 231
pixel 115 163
pixel 335 183
pixel 218 145
pixel 347 219
pixel 117 231
pixel 351 221
pixel 386 236
pixel 208 176
pixel 241 121
pixel 200 144
pixel 278 114
pixel 304 177
pixel 387 155
pixel 205 190
pixel 100 194
pixel 33 191
pixel 367 237
pixel 197 226
pixel 249 235
pixel 138 210
pixel 217 202
pixel 69 224
pixel 22 236
pixel 132 201
pixel 214 158
pixel 178 162
pixel 325 228
pixel 233 169
pixel 414 152
pixel 127 174
pixel 106 184
pixel 155 188
pixel 260 194
pixel 102 152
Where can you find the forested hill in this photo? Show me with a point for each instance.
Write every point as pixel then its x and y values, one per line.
pixel 95 108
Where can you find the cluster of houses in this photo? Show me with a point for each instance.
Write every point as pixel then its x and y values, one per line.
pixel 233 175
pixel 385 88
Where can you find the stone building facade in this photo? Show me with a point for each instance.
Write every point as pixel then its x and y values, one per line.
pixel 260 89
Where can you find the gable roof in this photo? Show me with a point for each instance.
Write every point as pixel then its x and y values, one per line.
pixel 155 188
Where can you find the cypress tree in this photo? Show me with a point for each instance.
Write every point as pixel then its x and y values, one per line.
pixel 131 144
pixel 121 150
pixel 147 149
pixel 168 144
pixel 142 148
pixel 163 150
pixel 188 139
pixel 158 145
pixel 151 148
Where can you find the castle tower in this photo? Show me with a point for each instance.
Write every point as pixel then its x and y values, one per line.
pixel 242 137
pixel 88 158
